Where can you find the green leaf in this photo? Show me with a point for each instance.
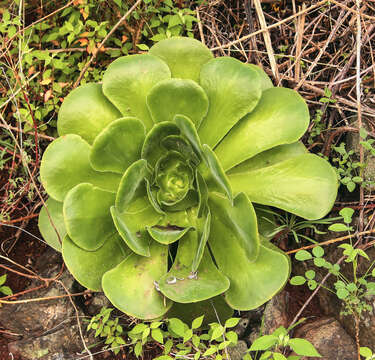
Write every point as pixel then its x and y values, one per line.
pixel 155 324
pixel 87 216
pixel 342 293
pixel 278 356
pixel 240 218
pixel 233 90
pixel 133 213
pixel 211 350
pixel 6 290
pixel 303 255
pixel 184 56
pixel 3 278
pixel 183 286
pixel 118 145
pixel 177 326
pixel 129 79
pixel 365 351
pixel 338 227
pixel 130 285
pixel 197 323
pixel 347 214
pixel 138 349
pixel 318 251
pixel 232 322
pixel 270 157
pixel 212 309
pixel 67 158
pixel 168 346
pixel 303 347
pixel 188 335
pixel 214 176
pixel 88 267
pixel 157 335
pixel 47 226
pixel 254 282
pixel 300 180
pixel 203 233
pixel 86 112
pixel 265 81
pixel 373 272
pixel 153 148
pixel 319 262
pixel 363 133
pixel 166 235
pixel 310 274
pixel 177 96
pixel 280 109
pixel 264 343
pixel 217 332
pixel 232 337
pixel 297 280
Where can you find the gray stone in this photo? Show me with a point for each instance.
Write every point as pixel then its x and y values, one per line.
pixel 276 313
pixel 60 345
pixel 35 318
pixel 241 327
pixel 238 351
pixel 329 339
pixel 99 300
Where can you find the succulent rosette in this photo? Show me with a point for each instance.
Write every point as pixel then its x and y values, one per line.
pixel 152 180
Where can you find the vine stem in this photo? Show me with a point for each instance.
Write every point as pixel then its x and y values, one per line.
pixel 331 241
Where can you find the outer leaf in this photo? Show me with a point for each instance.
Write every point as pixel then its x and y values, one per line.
pixel 130 286
pixel 85 112
pixel 88 267
pixel 66 164
pixel 270 157
pixel 87 217
pixel 55 210
pixel 265 81
pixel 251 283
pixel 233 90
pixel 305 185
pixel 176 96
pixel 184 56
pixel 303 347
pixel 176 284
pixel 280 109
pixel 118 145
pixel 240 219
pixel 153 147
pixel 129 79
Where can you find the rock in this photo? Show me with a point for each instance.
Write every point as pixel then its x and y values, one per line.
pixel 241 327
pixel 276 313
pixel 60 345
pixel 99 300
pixel 238 351
pixel 329 339
pixel 34 318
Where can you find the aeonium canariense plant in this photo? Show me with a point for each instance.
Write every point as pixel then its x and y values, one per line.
pixel 152 180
